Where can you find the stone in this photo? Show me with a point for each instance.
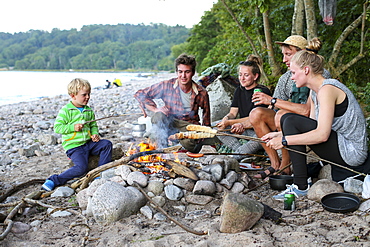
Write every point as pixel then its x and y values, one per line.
pixel 82 198
pixel 5 160
pixel 107 174
pixel 204 187
pixel 323 187
pixel 159 200
pixel 19 227
pixel 239 213
pixel 220 96
pixel 112 201
pixel 63 192
pixel 353 185
pixel 229 180
pixel 173 192
pixel 147 212
pixel 47 139
pixel 156 187
pixel 198 199
pixel 202 175
pixel 40 153
pixel 184 183
pixel 364 206
pixel 216 170
pixel 123 171
pixel 30 151
pixel 198 214
pixel 137 178
pixel 58 213
pixel 160 217
pixel 237 187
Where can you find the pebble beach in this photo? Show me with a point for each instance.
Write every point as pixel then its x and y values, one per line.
pixel 24 125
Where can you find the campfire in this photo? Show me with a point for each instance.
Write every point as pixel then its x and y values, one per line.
pixel 159 164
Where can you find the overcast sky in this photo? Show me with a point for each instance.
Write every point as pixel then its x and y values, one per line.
pixel 23 15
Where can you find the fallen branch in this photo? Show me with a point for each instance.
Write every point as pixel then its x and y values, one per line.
pixel 9 219
pixel 85 223
pixel 19 187
pixel 83 182
pixel 186 228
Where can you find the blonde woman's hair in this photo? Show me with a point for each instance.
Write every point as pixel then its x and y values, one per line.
pixel 77 84
pixel 309 57
pixel 255 62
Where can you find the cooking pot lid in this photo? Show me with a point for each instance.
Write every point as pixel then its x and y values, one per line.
pixel 340 202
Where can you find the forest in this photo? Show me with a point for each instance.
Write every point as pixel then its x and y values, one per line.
pixel 94 47
pixel 227 33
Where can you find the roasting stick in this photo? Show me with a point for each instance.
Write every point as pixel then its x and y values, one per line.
pixel 111 117
pixel 215 132
pixel 293 150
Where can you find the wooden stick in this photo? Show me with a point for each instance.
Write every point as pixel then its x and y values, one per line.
pixel 111 117
pixel 293 150
pixel 186 228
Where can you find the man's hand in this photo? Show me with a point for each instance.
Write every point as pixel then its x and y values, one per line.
pixel 164 109
pixel 95 138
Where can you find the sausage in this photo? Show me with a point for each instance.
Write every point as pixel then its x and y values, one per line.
pixel 193 155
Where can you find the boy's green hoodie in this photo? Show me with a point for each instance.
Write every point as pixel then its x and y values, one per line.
pixel 67 117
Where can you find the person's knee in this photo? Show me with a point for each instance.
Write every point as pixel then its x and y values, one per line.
pixel 255 115
pixel 158 117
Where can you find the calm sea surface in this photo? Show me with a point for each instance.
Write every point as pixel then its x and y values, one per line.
pixel 20 86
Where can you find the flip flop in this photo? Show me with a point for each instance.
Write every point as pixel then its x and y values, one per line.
pixel 264 174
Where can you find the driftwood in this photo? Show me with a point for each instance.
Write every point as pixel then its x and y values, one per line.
pixel 9 219
pixel 84 181
pixel 182 170
pixel 186 228
pixel 19 187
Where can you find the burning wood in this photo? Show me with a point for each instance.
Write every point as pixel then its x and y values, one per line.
pixel 155 164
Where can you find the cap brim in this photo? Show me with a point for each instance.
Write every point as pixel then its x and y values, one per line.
pixel 280 43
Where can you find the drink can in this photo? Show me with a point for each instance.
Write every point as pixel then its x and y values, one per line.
pixel 289 202
pixel 255 91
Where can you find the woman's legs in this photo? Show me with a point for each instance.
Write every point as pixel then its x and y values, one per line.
pixel 292 124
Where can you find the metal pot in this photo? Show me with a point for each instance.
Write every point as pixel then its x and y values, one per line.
pixel 138 130
pixel 139 127
pixel 279 182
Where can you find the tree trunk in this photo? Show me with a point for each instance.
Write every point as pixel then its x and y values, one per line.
pixel 310 19
pixel 275 67
pixel 298 18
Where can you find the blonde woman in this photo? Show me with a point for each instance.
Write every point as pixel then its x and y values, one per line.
pixel 335 129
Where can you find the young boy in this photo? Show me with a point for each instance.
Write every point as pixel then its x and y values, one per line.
pixel 80 139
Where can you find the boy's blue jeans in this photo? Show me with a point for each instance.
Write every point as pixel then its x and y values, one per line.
pixel 80 158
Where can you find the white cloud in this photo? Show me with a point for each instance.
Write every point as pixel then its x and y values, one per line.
pixel 23 15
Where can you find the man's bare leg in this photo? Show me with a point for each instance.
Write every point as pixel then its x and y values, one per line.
pixel 285 154
pixel 262 120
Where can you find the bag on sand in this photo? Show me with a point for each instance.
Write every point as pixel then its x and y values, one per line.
pixel 366 187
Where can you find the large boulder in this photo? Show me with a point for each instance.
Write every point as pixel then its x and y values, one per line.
pixel 112 202
pixel 239 213
pixel 220 94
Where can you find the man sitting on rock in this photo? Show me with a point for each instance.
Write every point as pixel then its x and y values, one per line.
pixel 182 99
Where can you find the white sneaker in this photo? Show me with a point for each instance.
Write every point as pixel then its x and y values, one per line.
pixel 293 189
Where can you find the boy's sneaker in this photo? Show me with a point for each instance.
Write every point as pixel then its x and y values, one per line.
pixel 292 189
pixel 48 185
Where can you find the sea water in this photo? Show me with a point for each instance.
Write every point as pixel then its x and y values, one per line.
pixel 20 86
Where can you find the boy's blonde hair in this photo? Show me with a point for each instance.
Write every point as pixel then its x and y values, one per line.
pixel 77 84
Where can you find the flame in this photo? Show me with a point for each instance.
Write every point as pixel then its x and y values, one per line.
pixel 142 147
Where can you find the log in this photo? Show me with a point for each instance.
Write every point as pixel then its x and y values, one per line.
pixel 182 170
